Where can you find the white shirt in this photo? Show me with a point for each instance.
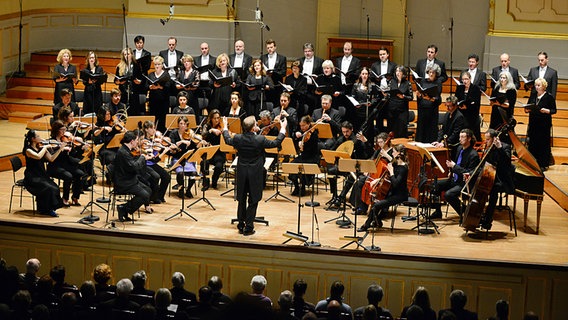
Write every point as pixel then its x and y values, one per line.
pixel 472 73
pixel 308 68
pixel 429 63
pixel 384 70
pixel 172 62
pixel 238 60
pixel 137 54
pixel 345 62
pixel 272 60
pixel 204 62
pixel 541 72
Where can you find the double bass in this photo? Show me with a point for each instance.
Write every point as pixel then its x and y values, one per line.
pixel 381 166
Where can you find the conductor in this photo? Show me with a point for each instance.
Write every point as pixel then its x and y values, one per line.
pixel 250 149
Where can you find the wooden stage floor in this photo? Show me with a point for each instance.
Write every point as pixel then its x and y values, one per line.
pixel 550 246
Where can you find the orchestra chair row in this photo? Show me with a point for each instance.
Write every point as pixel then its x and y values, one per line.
pixel 16 163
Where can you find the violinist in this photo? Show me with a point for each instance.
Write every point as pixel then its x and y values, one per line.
pixel 115 104
pixel 125 70
pixel 382 156
pixel 36 179
pixel 181 143
pixel 159 94
pixel 257 83
pixel 93 79
pixel 66 167
pixel 360 151
pixel 183 107
pixel 267 127
pixel 106 130
pixel 127 168
pixel 236 110
pixel 65 96
pixel 153 146
pixel 499 156
pixel 306 141
pixel 466 160
pixel 187 80
pixel 211 133
pixel 285 110
pixel 397 173
pixel 65 75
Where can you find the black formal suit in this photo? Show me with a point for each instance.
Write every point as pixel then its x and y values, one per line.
pixel 391 68
pixel 480 79
pixel 279 70
pixel 538 131
pixel 247 62
pixel 125 177
pixel 250 150
pixel 421 68
pixel 397 114
pixel 140 70
pixel 352 73
pixel 461 314
pixel 311 99
pixel 451 126
pixel 179 54
pixel 212 61
pixel 298 95
pixel 317 69
pixel 514 74
pixel 551 77
pixel 471 102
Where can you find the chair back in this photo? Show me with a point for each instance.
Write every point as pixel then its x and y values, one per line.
pixel 16 163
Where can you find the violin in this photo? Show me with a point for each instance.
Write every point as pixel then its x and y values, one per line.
pixel 49 143
pixel 266 129
pixel 189 134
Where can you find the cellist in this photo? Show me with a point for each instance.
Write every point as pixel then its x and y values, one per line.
pixel 397 173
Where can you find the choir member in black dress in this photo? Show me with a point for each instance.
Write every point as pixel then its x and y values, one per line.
pixel 187 80
pixel 328 80
pixel 397 115
pixel 398 192
pixel 285 110
pixel 540 123
pixel 182 107
pixel 159 96
pixel 36 180
pixel 545 72
pixel 66 167
pixel 505 95
pixel 237 109
pixel 362 91
pixel 211 133
pixel 93 78
pixel 258 83
pixel 306 141
pixel 427 124
pixel 151 144
pixel 143 60
pixel 299 86
pixel 221 95
pixel 125 70
pixel 275 65
pixel 66 98
pixel 469 102
pixel 250 148
pixel 65 75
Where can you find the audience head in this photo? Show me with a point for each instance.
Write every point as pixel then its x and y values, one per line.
pixel 124 287
pixel 285 300
pixel 178 280
pixel 421 298
pixel 88 291
pixel 215 283
pixel 530 316
pixel 258 282
pixel 138 279
pixel 374 294
pixel 447 315
pixel 40 312
pixel 333 309
pixel 21 301
pixel 68 300
pixel 370 312
pixel 162 298
pixel 44 285
pixel 146 312
pixel 415 312
pixel 458 299
pixel 502 309
pixel 205 294
pixel 336 290
pixel 300 287
pixel 32 266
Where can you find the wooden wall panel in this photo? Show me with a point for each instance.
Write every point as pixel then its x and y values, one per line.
pixel 125 266
pixel 274 282
pixel 213 270
pixel 45 255
pixel 535 298
pixel 395 294
pixel 311 278
pixel 559 293
pixel 157 274
pixel 15 255
pixel 239 279
pixel 72 260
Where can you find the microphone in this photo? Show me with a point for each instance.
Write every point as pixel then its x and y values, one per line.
pixel 171 12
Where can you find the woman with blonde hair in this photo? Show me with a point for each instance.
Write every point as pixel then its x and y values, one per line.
pixel 221 94
pixel 64 75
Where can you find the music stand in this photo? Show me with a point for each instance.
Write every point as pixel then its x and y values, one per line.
pixel 357 166
pixel 171 119
pixel 301 169
pixel 224 147
pixel 331 156
pixel 427 156
pixel 287 149
pixel 91 218
pixel 181 162
pixel 208 153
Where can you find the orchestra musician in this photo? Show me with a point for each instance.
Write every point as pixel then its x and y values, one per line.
pixel 66 101
pixel 107 128
pixel 428 106
pixel 125 70
pixel 211 133
pixel 142 58
pixel 285 110
pixel 221 95
pixel 65 75
pixel 183 107
pixel 500 157
pixel 397 173
pixel 299 86
pixel 540 123
pixel 469 98
pixel 155 149
pixel 66 167
pixel 267 126
pixel 159 95
pixel 453 123
pixel 115 104
pixel 237 109
pixel 505 97
pixel 93 94
pixel 250 148
pixel 257 83
pixel 466 161
pixel 306 141
pixel 36 179
pixel 326 114
pixel 188 81
pixel 126 176
pixel 397 115
pixel 275 64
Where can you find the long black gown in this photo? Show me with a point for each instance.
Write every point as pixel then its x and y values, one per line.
pixel 38 183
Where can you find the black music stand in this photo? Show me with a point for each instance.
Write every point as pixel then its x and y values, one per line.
pixel 181 162
pixel 334 157
pixel 90 219
pixel 208 153
pixel 357 166
pixel 287 149
pixel 301 169
pixel 426 202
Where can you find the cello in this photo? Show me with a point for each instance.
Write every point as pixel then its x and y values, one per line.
pixel 381 165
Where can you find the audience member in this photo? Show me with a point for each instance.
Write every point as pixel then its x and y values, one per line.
pixel 422 300
pixel 336 293
pixel 285 306
pixel 102 275
pixel 258 284
pixel 162 301
pixel 57 274
pixel 502 310
pixel 458 300
pixel 28 280
pixel 140 294
pixel 375 295
pixel 122 303
pixel 204 309
pixel 87 306
pixel 219 299
pixel 530 316
pixel 181 297
pixel 301 306
pixel 43 293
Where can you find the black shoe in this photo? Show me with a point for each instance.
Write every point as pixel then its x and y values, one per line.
pixel 188 194
pixel 175 187
pixel 214 186
pixel 241 231
pixel 156 201
pixel 437 214
pixel 122 214
pixel 295 192
pixel 363 228
pixel 248 232
pixel 360 212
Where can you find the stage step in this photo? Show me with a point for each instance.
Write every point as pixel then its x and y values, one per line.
pixel 40 124
pixel 23 117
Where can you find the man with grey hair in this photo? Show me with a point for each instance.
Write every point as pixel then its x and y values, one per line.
pixel 285 303
pixel 218 298
pixel 29 279
pixel 139 282
pixel 458 300
pixel 122 303
pixel 452 124
pixel 180 296
pixel 258 284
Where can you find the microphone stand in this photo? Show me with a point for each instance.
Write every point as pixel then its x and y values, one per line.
pixel 451 52
pixel 20 73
